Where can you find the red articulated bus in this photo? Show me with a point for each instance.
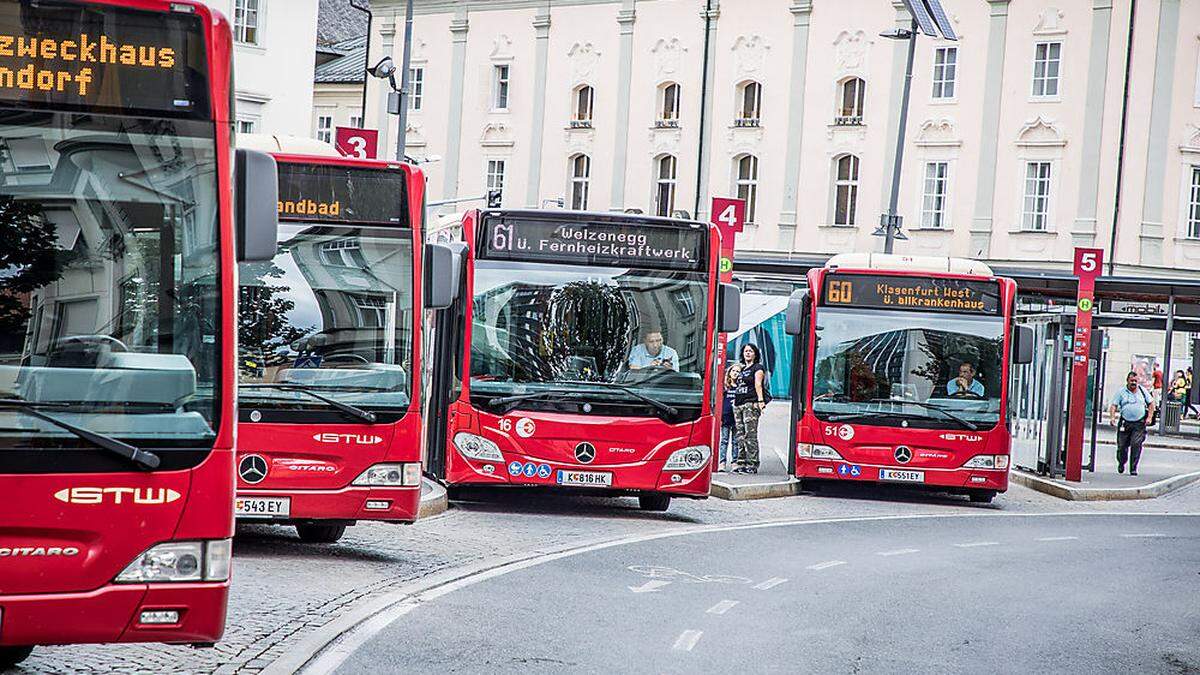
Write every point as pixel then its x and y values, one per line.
pixel 901 373
pixel 580 353
pixel 117 311
pixel 330 364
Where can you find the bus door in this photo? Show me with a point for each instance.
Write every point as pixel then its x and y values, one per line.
pixel 446 358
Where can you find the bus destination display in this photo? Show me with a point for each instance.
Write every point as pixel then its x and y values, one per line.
pixel 596 243
pixel 339 194
pixel 102 58
pixel 925 294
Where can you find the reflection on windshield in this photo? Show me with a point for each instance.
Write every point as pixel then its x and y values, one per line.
pixel 332 311
pixel 108 298
pixel 874 361
pixel 539 325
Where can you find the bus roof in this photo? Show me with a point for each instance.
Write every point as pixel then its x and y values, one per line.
pixel 290 145
pixel 906 263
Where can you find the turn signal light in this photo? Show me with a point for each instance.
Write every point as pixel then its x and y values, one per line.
pixel 390 475
pixel 688 459
pixel 816 451
pixel 999 462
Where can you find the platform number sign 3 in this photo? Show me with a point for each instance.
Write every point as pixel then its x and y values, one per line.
pixel 357 143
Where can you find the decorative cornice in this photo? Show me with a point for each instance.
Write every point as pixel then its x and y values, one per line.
pixel 460 26
pixel 801 7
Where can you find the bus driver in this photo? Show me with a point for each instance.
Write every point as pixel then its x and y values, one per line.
pixel 652 353
pixel 965 383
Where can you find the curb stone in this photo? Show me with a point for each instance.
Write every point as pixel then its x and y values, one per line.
pixel 434 500
pixel 1056 489
pixel 732 492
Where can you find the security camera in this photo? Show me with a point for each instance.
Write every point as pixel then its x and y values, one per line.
pixel 384 69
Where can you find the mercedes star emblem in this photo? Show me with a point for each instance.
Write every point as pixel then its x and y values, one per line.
pixel 252 469
pixel 585 452
pixel 903 454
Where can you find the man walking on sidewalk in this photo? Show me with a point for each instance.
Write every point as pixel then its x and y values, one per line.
pixel 1130 409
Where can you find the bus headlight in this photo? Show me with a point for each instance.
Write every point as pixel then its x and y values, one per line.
pixel 477 447
pixel 688 459
pixel 987 462
pixel 180 561
pixel 816 451
pixel 390 475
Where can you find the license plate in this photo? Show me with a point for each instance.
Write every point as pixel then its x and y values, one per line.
pixel 263 507
pixel 585 478
pixel 902 476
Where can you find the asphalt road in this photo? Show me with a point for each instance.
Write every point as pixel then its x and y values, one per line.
pixel 962 592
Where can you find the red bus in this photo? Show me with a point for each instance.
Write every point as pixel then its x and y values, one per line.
pixel 901 373
pixel 118 208
pixel 330 388
pixel 581 354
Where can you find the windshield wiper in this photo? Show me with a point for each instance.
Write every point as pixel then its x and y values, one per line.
pixel 659 405
pixel 143 458
pixel 922 404
pixel 528 396
pixel 353 411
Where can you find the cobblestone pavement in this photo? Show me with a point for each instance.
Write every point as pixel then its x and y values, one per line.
pixel 283 589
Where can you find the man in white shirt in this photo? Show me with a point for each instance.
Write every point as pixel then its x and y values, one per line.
pixel 652 353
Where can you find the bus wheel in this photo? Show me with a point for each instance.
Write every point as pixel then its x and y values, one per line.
pixel 983 496
pixel 320 534
pixel 654 501
pixel 11 656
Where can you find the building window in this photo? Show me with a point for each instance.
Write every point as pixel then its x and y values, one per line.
pixel 416 87
pixel 668 113
pixel 325 128
pixel 846 191
pixel 1036 214
pixel 664 193
pixel 372 310
pixel 1193 205
pixel 933 199
pixel 1047 59
pixel 749 105
pixel 343 253
pixel 500 88
pixel 747 184
pixel 945 69
pixel 245 21
pixel 585 98
pixel 851 97
pixel 581 174
pixel 245 126
pixel 495 177
pixel 356 121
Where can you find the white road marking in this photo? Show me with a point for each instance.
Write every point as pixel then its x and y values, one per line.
pixel 826 565
pixel 651 586
pixel 899 551
pixel 1144 535
pixel 722 607
pixel 1057 538
pixel 975 544
pixel 769 584
pixel 686 640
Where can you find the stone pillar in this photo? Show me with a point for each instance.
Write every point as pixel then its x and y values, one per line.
pixel 703 197
pixel 625 19
pixel 989 132
pixel 1152 230
pixel 801 18
pixel 537 127
pixel 1084 231
pixel 459 26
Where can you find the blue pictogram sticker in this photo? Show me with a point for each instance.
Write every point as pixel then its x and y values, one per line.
pixel 855 471
pixel 530 470
pixel 308 361
pixel 843 470
pixel 544 471
pixel 514 468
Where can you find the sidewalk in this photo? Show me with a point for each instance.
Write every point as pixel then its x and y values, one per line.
pixel 1162 470
pixel 1187 439
pixel 772 479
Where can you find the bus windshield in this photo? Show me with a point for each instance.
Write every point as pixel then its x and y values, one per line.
pixel 907 368
pixel 333 313
pixel 109 307
pixel 601 332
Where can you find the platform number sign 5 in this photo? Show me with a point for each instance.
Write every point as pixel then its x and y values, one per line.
pixel 1088 262
pixel 357 143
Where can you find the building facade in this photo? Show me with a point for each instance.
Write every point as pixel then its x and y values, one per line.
pixel 1014 135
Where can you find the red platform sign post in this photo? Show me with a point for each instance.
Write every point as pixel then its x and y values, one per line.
pixel 729 215
pixel 1088 263
pixel 357 143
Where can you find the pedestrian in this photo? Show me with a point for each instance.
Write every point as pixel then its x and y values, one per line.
pixel 1191 407
pixel 1129 410
pixel 1156 384
pixel 733 377
pixel 748 405
pixel 1179 387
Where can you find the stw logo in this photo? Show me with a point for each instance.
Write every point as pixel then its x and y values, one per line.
pixel 118 495
pixel 349 439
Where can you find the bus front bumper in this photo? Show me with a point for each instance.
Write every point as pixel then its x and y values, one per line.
pixel 392 504
pixel 634 477
pixel 966 479
pixel 115 613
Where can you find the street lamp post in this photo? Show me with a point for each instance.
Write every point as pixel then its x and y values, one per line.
pixel 406 64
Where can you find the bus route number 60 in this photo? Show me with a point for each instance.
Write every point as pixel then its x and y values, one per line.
pixel 839 293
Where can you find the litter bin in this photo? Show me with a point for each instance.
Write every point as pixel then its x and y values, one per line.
pixel 1172 411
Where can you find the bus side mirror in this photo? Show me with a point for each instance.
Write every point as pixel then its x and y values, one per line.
pixel 794 320
pixel 256 205
pixel 441 276
pixel 1022 344
pixel 731 309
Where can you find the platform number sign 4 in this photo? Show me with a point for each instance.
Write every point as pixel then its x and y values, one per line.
pixel 357 143
pixel 729 215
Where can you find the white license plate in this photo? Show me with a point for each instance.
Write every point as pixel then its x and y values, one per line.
pixel 902 476
pixel 585 478
pixel 263 507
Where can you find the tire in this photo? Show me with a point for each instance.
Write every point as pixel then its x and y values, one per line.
pixel 982 496
pixel 654 501
pixel 11 656
pixel 320 534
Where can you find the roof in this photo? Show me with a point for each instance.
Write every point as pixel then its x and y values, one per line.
pixel 338 20
pixel 350 67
